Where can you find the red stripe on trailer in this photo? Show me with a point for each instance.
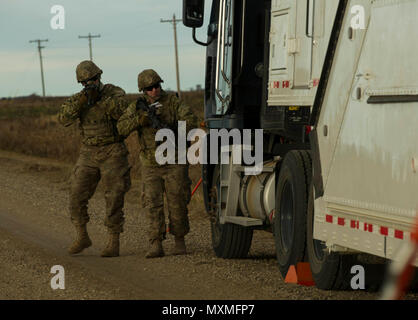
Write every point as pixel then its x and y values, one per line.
pixel 329 218
pixel 384 231
pixel 367 227
pixel 355 224
pixel 399 234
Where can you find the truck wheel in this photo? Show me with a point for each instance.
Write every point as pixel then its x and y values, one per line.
pixel 291 204
pixel 331 271
pixel 229 241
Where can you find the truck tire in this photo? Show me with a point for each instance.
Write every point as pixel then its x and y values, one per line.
pixel 289 225
pixel 229 241
pixel 330 271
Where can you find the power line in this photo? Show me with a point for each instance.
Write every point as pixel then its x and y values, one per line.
pixel 90 37
pixel 40 58
pixel 174 22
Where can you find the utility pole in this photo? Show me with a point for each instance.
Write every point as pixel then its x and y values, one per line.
pixel 174 22
pixel 40 58
pixel 90 37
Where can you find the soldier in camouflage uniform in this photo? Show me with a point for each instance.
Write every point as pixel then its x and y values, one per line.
pixel 103 155
pixel 157 179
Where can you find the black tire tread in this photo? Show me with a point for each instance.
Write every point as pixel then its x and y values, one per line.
pixel 235 241
pixel 300 162
pixel 335 271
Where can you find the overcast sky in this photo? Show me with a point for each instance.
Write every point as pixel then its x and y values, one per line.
pixel 132 39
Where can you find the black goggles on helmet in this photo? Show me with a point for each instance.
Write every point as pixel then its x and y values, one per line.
pixel 95 78
pixel 155 86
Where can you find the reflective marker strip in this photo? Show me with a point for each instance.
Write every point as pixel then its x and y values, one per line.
pixel 399 234
pixel 329 218
pixel 384 231
pixel 367 227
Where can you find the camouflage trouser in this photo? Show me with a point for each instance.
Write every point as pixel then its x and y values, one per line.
pixel 175 182
pixel 109 164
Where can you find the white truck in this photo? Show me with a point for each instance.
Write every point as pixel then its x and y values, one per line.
pixel 334 86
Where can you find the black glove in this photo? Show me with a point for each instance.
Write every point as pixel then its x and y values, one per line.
pixel 151 111
pixel 142 109
pixel 141 104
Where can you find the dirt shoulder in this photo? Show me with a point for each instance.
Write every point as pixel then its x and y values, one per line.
pixel 35 231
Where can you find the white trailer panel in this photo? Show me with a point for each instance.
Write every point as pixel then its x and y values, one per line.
pixel 368 156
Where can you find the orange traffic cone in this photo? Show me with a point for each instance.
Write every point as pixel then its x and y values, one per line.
pixel 301 274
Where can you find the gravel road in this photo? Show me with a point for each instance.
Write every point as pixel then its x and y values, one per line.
pixel 35 232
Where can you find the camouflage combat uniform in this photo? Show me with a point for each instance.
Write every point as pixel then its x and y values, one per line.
pixel 157 179
pixel 103 155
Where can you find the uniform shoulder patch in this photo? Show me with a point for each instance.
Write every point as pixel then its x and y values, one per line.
pixel 172 97
pixel 113 91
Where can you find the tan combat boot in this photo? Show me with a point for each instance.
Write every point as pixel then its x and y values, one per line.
pixel 82 242
pixel 179 246
pixel 156 249
pixel 112 248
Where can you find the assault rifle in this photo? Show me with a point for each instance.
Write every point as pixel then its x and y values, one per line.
pixel 92 93
pixel 151 109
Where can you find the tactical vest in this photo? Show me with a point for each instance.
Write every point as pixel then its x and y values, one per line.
pixel 98 128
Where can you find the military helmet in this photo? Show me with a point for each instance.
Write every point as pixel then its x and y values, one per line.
pixel 148 78
pixel 87 70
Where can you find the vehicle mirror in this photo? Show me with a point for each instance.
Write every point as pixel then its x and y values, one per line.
pixel 193 13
